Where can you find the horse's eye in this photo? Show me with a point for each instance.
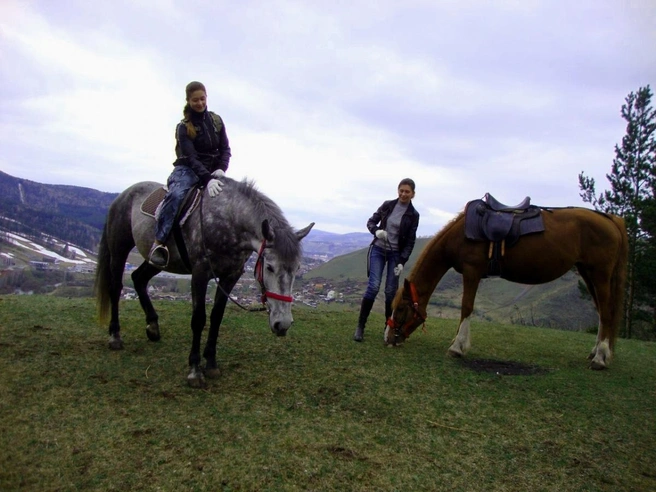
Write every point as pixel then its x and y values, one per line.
pixel 269 268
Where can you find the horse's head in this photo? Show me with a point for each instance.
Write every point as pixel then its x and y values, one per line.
pixel 407 315
pixel 278 261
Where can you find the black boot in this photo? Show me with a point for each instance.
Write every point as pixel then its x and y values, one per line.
pixel 159 256
pixel 365 309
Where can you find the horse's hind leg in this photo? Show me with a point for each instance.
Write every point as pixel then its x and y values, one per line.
pixel 141 276
pixel 599 288
pixel 116 267
pixel 462 342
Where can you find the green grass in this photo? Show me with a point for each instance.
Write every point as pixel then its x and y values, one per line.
pixel 313 410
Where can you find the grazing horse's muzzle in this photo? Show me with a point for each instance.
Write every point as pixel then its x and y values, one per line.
pixel 405 318
pixel 279 329
pixel 393 337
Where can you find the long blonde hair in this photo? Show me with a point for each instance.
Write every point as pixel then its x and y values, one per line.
pixel 186 111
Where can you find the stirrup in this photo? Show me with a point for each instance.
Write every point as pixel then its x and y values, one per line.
pixel 152 257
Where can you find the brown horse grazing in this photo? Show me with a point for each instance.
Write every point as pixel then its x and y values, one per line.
pixel 594 242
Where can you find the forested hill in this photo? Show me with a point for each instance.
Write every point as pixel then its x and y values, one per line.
pixel 71 213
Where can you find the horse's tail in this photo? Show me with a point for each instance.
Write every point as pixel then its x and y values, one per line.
pixel 101 285
pixel 618 280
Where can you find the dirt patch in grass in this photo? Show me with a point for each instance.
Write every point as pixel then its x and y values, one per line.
pixel 502 367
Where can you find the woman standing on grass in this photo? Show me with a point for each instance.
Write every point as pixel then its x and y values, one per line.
pixel 394 226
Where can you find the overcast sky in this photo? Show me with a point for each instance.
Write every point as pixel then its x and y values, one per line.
pixel 329 104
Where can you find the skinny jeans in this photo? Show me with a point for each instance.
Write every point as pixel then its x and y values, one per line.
pixel 181 180
pixel 378 259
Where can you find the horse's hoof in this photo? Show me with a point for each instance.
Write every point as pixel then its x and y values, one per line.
pixel 455 354
pixel 212 373
pixel 597 366
pixel 195 378
pixel 152 332
pixel 115 343
pixel 196 382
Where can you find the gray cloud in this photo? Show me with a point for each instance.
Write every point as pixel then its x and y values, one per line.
pixel 328 106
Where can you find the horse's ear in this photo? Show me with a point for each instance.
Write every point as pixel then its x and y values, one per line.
pixel 304 232
pixel 267 232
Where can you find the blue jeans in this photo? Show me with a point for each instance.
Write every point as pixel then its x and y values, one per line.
pixel 181 180
pixel 378 258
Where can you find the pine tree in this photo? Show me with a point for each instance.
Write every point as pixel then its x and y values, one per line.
pixel 631 193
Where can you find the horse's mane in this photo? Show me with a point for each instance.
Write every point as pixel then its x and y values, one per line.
pixel 286 244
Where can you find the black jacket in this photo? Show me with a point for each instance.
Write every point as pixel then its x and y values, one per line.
pixel 407 230
pixel 206 153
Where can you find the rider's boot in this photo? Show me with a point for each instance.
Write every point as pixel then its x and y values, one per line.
pixel 159 255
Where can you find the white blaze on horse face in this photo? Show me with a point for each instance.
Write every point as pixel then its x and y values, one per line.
pixel 462 343
pixel 278 280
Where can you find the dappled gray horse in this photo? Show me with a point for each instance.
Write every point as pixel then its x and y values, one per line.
pixel 220 234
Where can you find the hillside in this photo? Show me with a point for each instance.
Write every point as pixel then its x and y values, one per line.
pixel 70 213
pixel 76 215
pixel 41 222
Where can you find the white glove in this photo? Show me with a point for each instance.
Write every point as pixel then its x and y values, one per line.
pixel 381 234
pixel 218 174
pixel 398 269
pixel 214 187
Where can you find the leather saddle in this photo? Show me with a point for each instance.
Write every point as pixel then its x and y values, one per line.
pixel 152 202
pixel 502 225
pixel 150 206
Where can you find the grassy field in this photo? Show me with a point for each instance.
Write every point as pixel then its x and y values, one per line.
pixel 314 410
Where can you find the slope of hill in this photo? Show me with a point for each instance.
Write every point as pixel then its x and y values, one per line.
pixel 76 215
pixel 70 213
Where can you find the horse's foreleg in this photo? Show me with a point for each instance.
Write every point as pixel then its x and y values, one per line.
pixel 216 316
pixel 462 342
pixel 141 276
pixel 195 378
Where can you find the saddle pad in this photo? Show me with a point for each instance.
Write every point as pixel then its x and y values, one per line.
pixel 149 205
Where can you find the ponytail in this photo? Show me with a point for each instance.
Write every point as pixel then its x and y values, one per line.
pixel 191 131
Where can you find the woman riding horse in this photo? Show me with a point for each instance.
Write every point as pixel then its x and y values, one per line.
pixel 203 154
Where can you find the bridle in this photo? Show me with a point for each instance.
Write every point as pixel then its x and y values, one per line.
pixel 402 330
pixel 259 276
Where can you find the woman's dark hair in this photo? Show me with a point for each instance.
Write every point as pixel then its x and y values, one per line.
pixel 189 90
pixel 407 181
